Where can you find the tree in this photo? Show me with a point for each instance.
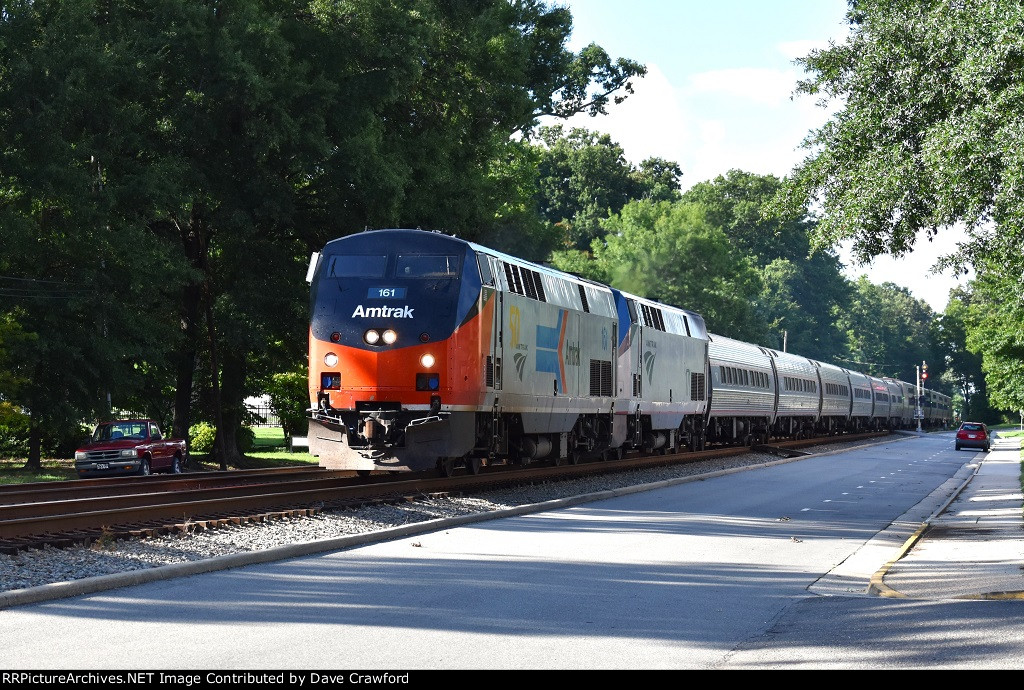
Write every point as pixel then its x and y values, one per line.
pixel 583 177
pixel 888 331
pixel 963 367
pixel 223 143
pixel 994 319
pixel 80 270
pixel 803 290
pixel 671 252
pixel 928 135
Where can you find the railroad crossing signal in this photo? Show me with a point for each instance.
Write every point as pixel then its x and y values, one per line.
pixel 924 371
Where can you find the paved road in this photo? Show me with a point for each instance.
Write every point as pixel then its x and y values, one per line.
pixel 767 568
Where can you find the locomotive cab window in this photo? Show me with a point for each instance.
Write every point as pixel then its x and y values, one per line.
pixel 420 266
pixel 483 263
pixel 354 266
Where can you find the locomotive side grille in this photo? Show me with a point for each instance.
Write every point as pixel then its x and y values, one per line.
pixel 697 390
pixel 539 286
pixel 636 385
pixel 489 372
pixel 528 284
pixel 600 377
pixel 583 298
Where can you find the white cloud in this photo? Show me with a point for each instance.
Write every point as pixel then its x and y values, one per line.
pixel 749 119
pixel 651 122
pixel 914 271
pixel 763 87
pixel 728 119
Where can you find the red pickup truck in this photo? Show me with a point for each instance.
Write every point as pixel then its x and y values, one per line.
pixel 130 446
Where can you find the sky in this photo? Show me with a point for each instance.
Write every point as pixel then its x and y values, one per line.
pixel 719 95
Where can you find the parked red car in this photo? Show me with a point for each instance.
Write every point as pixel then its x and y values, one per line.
pixel 130 446
pixel 972 435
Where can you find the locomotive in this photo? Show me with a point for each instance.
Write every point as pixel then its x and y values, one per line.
pixel 428 351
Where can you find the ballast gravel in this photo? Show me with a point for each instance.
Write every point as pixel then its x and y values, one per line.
pixel 49 565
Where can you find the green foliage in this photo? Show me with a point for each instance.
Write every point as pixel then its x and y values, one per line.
pixel 583 177
pixel 201 437
pixel 927 136
pixel 802 290
pixel 246 439
pixel 13 431
pixel 671 252
pixel 965 372
pixel 995 318
pixel 61 440
pixel 928 132
pixel 289 399
pixel 889 333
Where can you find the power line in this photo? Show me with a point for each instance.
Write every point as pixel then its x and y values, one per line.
pixel 40 288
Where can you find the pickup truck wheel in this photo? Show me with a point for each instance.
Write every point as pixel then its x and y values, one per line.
pixel 176 465
pixel 144 467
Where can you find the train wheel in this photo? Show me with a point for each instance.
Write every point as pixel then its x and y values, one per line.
pixel 473 464
pixel 363 473
pixel 446 467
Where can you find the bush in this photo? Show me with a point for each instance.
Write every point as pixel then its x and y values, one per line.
pixel 62 441
pixel 246 439
pixel 200 437
pixel 289 399
pixel 13 432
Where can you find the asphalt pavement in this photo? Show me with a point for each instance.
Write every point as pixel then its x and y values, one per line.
pixel 972 545
pixel 965 541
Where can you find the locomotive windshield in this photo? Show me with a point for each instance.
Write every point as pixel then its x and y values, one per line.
pixel 357 266
pixel 420 266
pixel 423 282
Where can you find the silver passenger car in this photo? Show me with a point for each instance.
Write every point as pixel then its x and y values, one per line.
pixel 743 388
pixel 799 400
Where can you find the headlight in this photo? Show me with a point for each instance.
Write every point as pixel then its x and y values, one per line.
pixel 81 455
pixel 128 453
pixel 390 336
pixel 427 361
pixel 371 337
pixel 330 359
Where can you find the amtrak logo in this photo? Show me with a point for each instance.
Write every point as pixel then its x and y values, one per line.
pixel 514 319
pixel 550 344
pixel 649 364
pixel 383 312
pixel 520 360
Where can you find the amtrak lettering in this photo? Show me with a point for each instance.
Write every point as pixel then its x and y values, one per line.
pixel 383 312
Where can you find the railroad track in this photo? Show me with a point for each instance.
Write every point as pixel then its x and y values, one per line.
pixel 63 514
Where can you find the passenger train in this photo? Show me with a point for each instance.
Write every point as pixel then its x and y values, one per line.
pixel 428 351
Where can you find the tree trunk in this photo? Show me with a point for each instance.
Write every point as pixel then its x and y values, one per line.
pixel 194 247
pixel 186 361
pixel 35 443
pixel 232 400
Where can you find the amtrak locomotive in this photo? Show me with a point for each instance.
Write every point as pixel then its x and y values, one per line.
pixel 427 351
